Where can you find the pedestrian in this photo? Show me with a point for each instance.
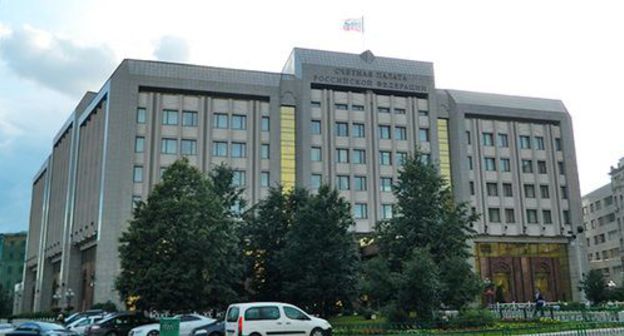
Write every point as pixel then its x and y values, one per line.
pixel 540 302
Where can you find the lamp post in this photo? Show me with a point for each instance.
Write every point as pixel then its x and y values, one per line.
pixel 69 295
pixel 57 298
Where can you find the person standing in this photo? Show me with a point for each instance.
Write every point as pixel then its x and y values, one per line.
pixel 540 302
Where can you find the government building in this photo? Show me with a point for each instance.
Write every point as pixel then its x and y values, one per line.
pixel 348 120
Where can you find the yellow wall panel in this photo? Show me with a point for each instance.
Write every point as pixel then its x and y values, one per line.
pixel 287 147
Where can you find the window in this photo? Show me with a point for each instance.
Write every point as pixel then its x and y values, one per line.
pixel 383 109
pixel 472 188
pixel 342 155
pixel 425 158
pixel 468 141
pixel 264 179
pixel 359 183
pixel 239 178
pixel 220 120
pixel 357 107
pixel 189 118
pixel 342 129
pixel 219 148
pixel 294 314
pixel 359 156
pixel 315 154
pixel 564 192
pixel 541 167
pixel 470 162
pixel 561 168
pixel 529 191
pixel 265 124
pixel 343 107
pixel 539 143
pixel 386 184
pixel 265 151
pixel 490 164
pixel 315 103
pixel 558 144
pixel 239 122
pixel 492 189
pixel 386 211
pixel 360 210
pixel 168 146
pixel 510 216
pixel 527 166
pixel 423 134
pixel 385 158
pixel 400 133
pixel 546 217
pixel 401 158
pixel 188 147
pixel 525 142
pixel 358 130
pixel 342 182
pixel 141 116
pixel 399 110
pixel 488 139
pixel 315 181
pixel 531 216
pixel 139 144
pixel 170 117
pixel 137 175
pixel 315 127
pixel 494 215
pixel 384 132
pixel 503 140
pixel 544 191
pixel 262 313
pixel 505 165
pixel 162 171
pixel 239 150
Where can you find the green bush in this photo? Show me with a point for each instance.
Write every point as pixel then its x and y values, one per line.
pixel 473 318
pixel 395 314
pixel 107 307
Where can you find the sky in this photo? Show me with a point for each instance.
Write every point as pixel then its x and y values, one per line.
pixel 51 52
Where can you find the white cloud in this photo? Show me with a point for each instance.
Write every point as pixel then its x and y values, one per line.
pixel 54 62
pixel 172 48
pixel 9 131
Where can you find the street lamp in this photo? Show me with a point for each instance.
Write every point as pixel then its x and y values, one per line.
pixel 57 298
pixel 69 294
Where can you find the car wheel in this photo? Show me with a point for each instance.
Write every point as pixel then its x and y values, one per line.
pixel 317 332
pixel 153 333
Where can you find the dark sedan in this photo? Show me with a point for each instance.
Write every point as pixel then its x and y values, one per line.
pixel 41 329
pixel 118 324
pixel 216 328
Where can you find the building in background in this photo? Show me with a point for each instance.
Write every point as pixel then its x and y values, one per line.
pixel 12 250
pixel 603 218
pixel 348 120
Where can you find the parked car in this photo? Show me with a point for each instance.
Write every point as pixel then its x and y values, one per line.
pixel 118 324
pixel 216 328
pixel 80 325
pixel 76 316
pixel 35 328
pixel 6 328
pixel 188 322
pixel 272 318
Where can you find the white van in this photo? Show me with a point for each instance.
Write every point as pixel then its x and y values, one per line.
pixel 272 319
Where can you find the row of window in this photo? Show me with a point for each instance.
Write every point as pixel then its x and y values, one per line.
pixel 358 156
pixel 239 177
pixel 492 189
pixel 189 147
pixel 360 211
pixel 190 119
pixel 524 141
pixel 422 106
pixel 360 183
pixel 494 216
pixel 358 130
pixel 527 166
pixel 613 253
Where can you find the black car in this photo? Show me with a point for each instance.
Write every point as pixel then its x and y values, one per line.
pixel 118 324
pixel 216 328
pixel 41 329
pixel 76 316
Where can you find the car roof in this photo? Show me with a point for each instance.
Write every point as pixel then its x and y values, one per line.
pixel 266 303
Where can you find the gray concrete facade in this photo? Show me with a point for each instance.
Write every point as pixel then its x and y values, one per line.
pixel 356 117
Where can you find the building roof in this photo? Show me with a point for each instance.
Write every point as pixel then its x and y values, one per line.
pixel 365 60
pixel 500 100
pixel 599 193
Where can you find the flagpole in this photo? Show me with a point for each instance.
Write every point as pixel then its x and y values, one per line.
pixel 363 36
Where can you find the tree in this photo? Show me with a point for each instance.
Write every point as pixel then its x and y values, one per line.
pixel 319 260
pixel 6 302
pixel 173 253
pixel 595 287
pixel 264 237
pixel 427 223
